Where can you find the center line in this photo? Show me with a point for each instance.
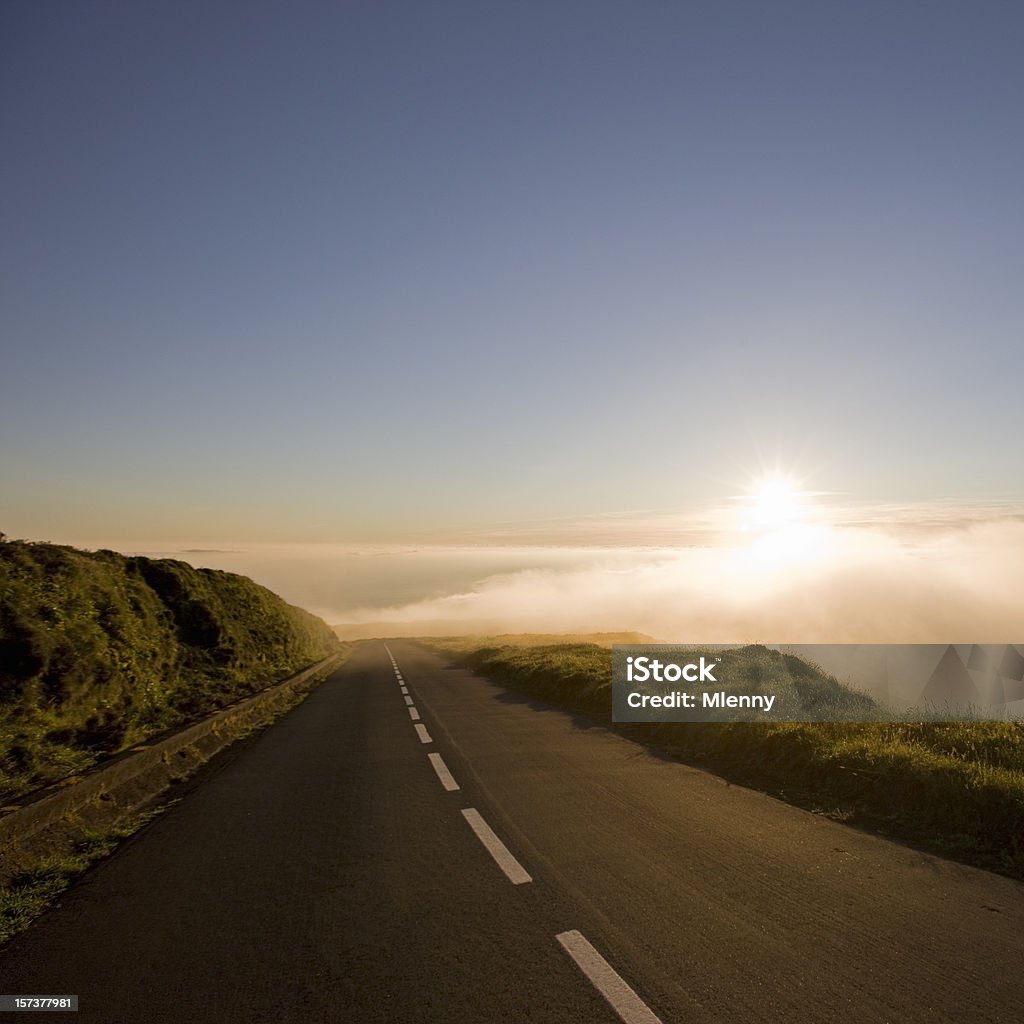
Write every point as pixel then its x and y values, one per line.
pixel 446 777
pixel 623 1000
pixel 408 700
pixel 421 731
pixel 514 871
pixel 414 714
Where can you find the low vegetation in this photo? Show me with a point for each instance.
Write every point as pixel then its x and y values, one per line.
pixel 31 892
pixel 954 788
pixel 99 651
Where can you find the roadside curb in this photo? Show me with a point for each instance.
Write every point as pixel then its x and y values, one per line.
pixel 129 782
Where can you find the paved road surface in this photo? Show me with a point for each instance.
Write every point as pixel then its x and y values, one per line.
pixel 327 872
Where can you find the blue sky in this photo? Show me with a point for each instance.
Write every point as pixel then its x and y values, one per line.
pixel 355 271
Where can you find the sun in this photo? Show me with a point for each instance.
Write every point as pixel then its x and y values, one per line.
pixel 781 524
pixel 775 502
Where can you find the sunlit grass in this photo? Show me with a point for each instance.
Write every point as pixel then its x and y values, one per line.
pixel 99 651
pixel 956 788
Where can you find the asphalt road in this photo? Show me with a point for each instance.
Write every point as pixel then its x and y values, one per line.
pixel 326 872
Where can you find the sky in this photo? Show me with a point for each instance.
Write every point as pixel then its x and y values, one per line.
pixel 375 273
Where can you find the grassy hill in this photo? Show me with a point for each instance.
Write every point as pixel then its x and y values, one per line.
pixel 99 650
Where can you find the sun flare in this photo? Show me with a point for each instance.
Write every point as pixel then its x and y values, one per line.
pixel 775 503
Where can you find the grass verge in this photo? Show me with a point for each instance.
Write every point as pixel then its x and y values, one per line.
pixel 31 892
pixel 956 789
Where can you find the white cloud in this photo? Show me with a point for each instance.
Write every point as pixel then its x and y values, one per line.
pixel 880 575
pixel 813 585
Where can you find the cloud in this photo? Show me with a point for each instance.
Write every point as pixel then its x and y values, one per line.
pixel 894 574
pixel 960 581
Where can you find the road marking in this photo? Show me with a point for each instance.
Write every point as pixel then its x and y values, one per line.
pixel 405 691
pixel 514 871
pixel 408 700
pixel 421 731
pixel 414 714
pixel 447 780
pixel 630 1008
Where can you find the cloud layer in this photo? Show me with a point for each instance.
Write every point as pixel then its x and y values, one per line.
pixel 806 585
pixel 878 576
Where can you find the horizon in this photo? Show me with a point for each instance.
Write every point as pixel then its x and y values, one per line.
pixel 780 566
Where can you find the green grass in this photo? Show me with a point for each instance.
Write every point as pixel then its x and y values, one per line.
pixel 953 788
pixel 31 892
pixel 99 651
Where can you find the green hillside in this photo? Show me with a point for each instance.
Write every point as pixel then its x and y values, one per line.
pixel 99 650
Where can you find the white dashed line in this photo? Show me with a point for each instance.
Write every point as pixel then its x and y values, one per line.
pixel 408 700
pixel 514 871
pixel 405 691
pixel 622 999
pixel 421 731
pixel 414 714
pixel 443 774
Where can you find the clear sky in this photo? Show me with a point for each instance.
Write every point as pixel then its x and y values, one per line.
pixel 344 271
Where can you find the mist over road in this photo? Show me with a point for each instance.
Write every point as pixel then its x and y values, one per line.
pixel 415 843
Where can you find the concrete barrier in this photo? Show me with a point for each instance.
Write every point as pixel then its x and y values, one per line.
pixel 51 821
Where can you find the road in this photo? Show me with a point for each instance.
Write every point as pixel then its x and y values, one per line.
pixel 418 844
